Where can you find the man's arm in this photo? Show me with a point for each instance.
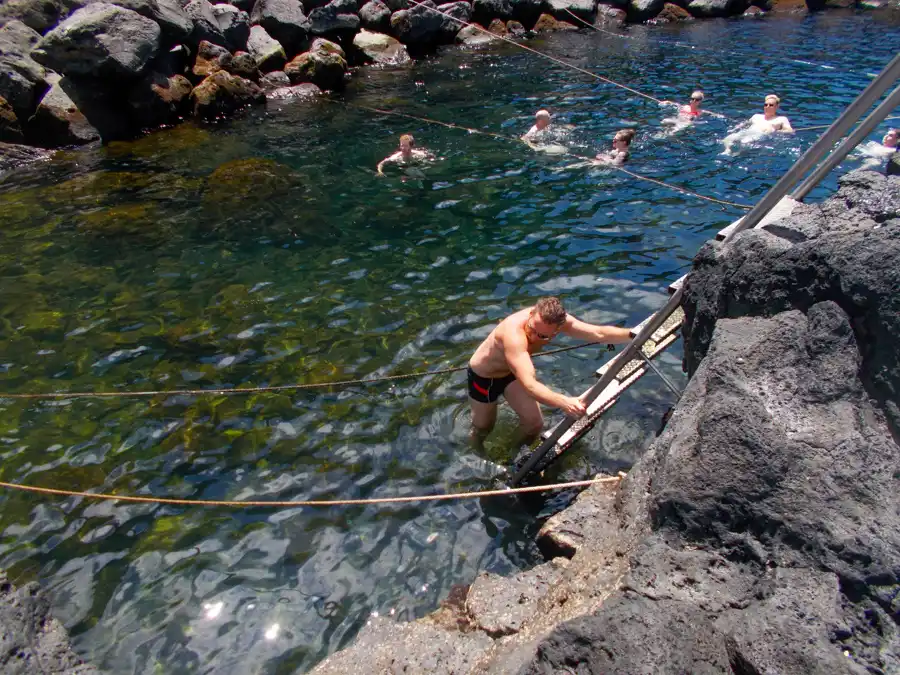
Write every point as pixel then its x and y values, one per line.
pixel 786 126
pixel 389 158
pixel 590 332
pixel 519 360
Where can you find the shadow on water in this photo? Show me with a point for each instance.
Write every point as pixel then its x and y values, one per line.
pixel 266 251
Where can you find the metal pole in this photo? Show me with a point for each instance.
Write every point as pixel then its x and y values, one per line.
pixel 615 366
pixel 675 390
pixel 818 150
pixel 864 129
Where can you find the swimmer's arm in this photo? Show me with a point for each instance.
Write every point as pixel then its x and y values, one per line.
pixel 519 360
pixel 592 333
pixel 786 126
pixel 386 160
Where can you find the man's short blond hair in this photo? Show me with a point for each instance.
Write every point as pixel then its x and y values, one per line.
pixel 550 310
pixel 626 135
pixel 407 137
pixel 773 97
pixel 542 114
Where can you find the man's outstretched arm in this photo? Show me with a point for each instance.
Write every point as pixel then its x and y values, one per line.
pixel 591 333
pixel 520 363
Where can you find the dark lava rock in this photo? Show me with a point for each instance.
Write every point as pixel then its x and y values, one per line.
pixel 159 99
pixel 583 9
pixel 635 635
pixel 274 80
pixel 375 16
pixel 643 10
pixel 210 58
pixel 893 165
pixel 671 14
pixel 497 27
pixel 461 13
pixel 485 11
pixel 705 9
pixel 101 41
pixel 338 16
pixel 475 36
pixel 547 23
pixel 244 65
pixel 235 25
pixel 206 25
pixel 21 77
pixel 174 23
pixel 419 25
pixel 515 28
pixel 380 48
pixel 324 65
pixel 10 129
pixel 39 15
pixel 222 93
pixel 32 641
pixel 526 11
pixel 284 20
pixel 58 122
pixel 265 50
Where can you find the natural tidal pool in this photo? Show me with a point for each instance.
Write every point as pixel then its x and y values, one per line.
pixel 265 251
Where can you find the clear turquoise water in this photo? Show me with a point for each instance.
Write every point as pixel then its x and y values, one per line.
pixel 265 251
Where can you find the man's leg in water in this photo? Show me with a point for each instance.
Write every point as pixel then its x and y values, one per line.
pixel 531 421
pixel 484 415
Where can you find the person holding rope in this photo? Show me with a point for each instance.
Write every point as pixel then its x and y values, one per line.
pixel 405 155
pixel 502 366
pixel 761 124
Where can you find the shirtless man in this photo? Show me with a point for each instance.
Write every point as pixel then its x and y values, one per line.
pixel 502 365
pixel 768 122
pixel 405 155
pixel 541 122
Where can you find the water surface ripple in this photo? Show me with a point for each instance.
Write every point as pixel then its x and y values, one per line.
pixel 266 251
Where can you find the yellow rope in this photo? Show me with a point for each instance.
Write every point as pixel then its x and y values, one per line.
pixel 638 176
pixel 292 505
pixel 539 53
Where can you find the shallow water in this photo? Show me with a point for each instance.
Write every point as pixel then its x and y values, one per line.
pixel 266 251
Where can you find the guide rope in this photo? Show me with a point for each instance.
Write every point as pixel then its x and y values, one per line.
pixel 492 134
pixel 539 53
pixel 825 126
pixel 314 502
pixel 271 388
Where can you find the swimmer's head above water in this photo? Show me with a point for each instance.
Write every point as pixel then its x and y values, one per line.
pixel 891 138
pixel 406 144
pixel 770 106
pixel 622 139
pixel 696 101
pixel 541 119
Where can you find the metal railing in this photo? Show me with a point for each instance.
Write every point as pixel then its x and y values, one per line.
pixel 809 160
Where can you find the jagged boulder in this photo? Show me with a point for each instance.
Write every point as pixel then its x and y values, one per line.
pixel 39 15
pixel 324 65
pixel 461 13
pixel 420 25
pixel 222 94
pixel 265 50
pixel 10 129
pixel 244 65
pixel 643 10
pixel 515 28
pixel 101 41
pixel 585 10
pixel 159 100
pixel 175 25
pixel 58 122
pixel 338 16
pixel 380 48
pixel 275 80
pixel 671 13
pixel 210 58
pixel 234 24
pixel 284 20
pixel 475 36
pixel 705 9
pixel 205 24
pixel 21 77
pixel 375 16
pixel 485 11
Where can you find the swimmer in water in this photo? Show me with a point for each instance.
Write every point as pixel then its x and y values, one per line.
pixel 541 122
pixel 875 153
pixel 621 148
pixel 890 140
pixel 406 155
pixel 760 125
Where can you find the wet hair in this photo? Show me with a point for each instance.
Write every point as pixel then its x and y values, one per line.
pixel 626 135
pixel 407 137
pixel 550 309
pixel 542 114
pixel 698 93
pixel 772 96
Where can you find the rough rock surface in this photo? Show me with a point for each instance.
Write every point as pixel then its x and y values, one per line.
pixel 21 77
pixel 375 16
pixel 266 50
pixel 58 122
pixel 461 13
pixel 284 20
pixel 305 90
pixel 760 533
pixel 712 8
pixel 338 16
pixel 419 25
pixel 10 129
pixel 474 36
pixel 101 41
pixel 547 23
pixel 234 24
pixel 223 93
pixel 244 65
pixel 159 99
pixel 210 58
pixel 643 10
pixel 324 65
pixel 206 25
pixel 32 641
pixel 175 25
pixel 484 11
pixel 274 80
pixel 583 9
pixel 380 48
pixel 672 13
pixel 14 155
pixel 39 15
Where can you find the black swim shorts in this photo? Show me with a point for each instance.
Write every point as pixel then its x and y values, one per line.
pixel 487 389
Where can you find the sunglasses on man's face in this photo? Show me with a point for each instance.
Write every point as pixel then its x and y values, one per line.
pixel 768 105
pixel 696 98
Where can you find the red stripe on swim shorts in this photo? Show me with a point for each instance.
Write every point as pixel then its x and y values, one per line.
pixel 480 389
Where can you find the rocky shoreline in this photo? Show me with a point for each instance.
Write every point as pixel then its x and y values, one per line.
pixel 74 72
pixel 760 533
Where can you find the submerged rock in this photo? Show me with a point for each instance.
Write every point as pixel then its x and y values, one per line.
pixel 247 184
pixel 380 48
pixel 101 41
pixel 33 641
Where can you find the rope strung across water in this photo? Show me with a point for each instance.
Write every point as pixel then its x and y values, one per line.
pixel 293 505
pixel 825 126
pixel 535 51
pixel 271 388
pixel 513 139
